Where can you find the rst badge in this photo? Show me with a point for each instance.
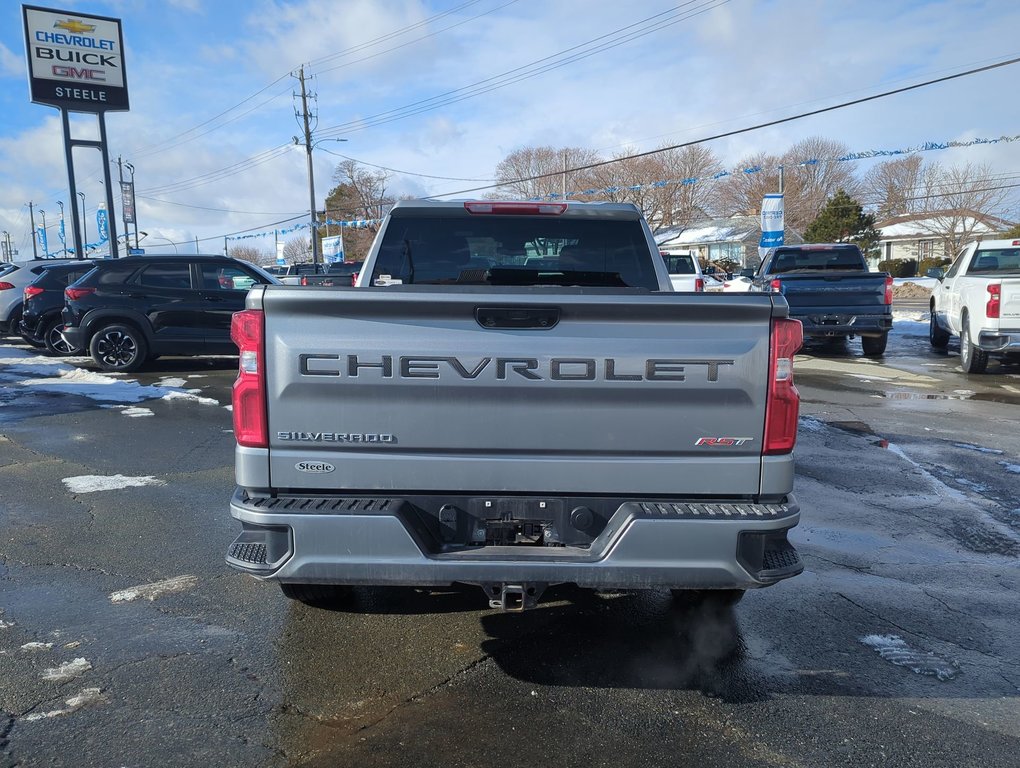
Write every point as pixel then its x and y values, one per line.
pixel 722 442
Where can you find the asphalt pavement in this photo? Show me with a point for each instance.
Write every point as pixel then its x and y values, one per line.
pixel 126 641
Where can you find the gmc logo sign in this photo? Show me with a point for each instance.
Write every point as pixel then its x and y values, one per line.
pixel 722 442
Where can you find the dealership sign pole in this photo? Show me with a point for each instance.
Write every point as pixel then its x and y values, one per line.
pixel 76 64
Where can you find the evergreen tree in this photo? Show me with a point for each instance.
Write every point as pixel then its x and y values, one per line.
pixel 1013 233
pixel 843 220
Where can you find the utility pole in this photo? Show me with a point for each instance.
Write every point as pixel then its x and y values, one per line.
pixel 31 216
pixel 6 244
pixel 84 229
pixel 46 237
pixel 563 185
pixel 196 243
pixel 311 175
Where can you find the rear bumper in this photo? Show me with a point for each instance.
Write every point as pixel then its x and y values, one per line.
pixel 826 325
pixel 999 341
pixel 645 544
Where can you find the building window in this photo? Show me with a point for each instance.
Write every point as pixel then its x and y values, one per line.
pixel 925 249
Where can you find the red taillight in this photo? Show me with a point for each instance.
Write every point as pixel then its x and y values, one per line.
pixel 888 290
pixel 994 305
pixel 354 279
pixel 699 284
pixel 6 286
pixel 304 281
pixel 73 294
pixel 520 209
pixel 776 286
pixel 783 404
pixel 33 290
pixel 247 331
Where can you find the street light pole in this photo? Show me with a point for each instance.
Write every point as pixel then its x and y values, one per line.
pixel 62 241
pixel 84 228
pixel 46 239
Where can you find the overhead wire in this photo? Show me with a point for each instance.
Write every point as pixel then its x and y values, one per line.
pixel 532 69
pixel 738 131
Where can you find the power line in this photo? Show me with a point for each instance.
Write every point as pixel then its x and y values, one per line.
pixel 653 23
pixel 396 170
pixel 409 42
pixel 172 142
pixel 217 210
pixel 738 131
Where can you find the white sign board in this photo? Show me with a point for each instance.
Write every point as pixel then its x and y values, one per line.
pixel 75 60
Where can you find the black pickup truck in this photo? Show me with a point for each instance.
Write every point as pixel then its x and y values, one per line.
pixel 831 291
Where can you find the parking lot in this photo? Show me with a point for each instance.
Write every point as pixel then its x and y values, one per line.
pixel 123 632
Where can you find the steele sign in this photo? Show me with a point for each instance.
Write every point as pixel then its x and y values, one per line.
pixel 75 60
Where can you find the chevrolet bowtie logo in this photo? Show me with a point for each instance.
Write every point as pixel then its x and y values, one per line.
pixel 75 27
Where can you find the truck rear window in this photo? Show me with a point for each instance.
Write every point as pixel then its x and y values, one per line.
pixel 835 258
pixel 515 250
pixel 995 262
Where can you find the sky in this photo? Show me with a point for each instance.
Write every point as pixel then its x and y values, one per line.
pixel 420 87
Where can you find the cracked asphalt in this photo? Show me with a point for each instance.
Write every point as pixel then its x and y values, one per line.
pixel 898 646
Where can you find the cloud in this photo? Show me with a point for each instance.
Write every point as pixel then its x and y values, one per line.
pixel 11 65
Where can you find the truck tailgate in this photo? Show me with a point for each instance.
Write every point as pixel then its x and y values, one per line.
pixel 834 290
pixel 518 390
pixel 1009 312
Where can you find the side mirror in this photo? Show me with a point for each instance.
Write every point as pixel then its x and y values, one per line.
pixel 935 272
pixel 748 273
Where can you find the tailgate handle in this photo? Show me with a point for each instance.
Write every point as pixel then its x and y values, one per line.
pixel 537 318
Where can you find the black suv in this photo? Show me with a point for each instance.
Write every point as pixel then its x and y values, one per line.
pixel 43 302
pixel 127 311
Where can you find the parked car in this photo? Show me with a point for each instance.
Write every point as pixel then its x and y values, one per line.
pixel 684 271
pixel 737 284
pixel 713 283
pixel 126 311
pixel 831 291
pixel 12 287
pixel 979 301
pixel 291 274
pixel 337 273
pixel 43 303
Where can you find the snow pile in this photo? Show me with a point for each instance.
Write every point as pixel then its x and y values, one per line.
pixel 910 291
pixel 67 671
pixel 154 590
pixel 79 700
pixel 894 650
pixel 93 483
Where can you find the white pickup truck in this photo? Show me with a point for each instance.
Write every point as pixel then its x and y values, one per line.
pixel 684 271
pixel 978 300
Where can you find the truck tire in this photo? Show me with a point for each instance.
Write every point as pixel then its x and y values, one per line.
pixel 119 347
pixel 55 343
pixel 973 359
pixel 693 598
pixel 938 337
pixel 874 346
pixel 318 595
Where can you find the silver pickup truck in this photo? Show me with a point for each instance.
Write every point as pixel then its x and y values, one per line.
pixel 513 397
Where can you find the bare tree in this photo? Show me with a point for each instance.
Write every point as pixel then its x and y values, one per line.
pixel 248 253
pixel 297 250
pixel 359 194
pixel 554 165
pixel 961 196
pixel 742 191
pixel 812 173
pixel 683 203
pixel 893 187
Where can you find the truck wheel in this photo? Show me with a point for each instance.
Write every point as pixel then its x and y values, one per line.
pixel 118 348
pixel 319 595
pixel 973 359
pixel 55 343
pixel 693 598
pixel 874 346
pixel 938 337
